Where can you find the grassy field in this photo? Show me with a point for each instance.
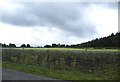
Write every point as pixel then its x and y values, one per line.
pixel 64 63
pixel 71 49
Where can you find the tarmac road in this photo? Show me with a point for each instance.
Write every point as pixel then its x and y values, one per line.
pixel 8 74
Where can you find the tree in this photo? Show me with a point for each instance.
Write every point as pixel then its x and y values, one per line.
pixel 4 45
pixel 67 46
pixel 54 45
pixel 28 45
pixel 12 45
pixel 23 45
pixel 47 46
pixel 110 41
pixel 62 45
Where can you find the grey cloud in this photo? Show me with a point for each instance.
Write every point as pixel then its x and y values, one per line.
pixel 40 14
pixel 112 5
pixel 68 17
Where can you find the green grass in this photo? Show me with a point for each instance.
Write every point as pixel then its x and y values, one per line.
pixel 51 48
pixel 81 49
pixel 61 74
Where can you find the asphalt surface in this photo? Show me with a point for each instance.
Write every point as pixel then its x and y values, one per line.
pixel 8 74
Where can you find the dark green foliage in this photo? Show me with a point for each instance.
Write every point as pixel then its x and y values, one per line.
pixel 4 45
pixel 12 45
pixel 28 45
pixel 54 45
pixel 23 45
pixel 47 46
pixel 111 41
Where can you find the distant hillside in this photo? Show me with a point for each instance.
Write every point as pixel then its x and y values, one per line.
pixel 111 41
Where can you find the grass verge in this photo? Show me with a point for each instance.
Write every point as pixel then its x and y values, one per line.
pixel 59 74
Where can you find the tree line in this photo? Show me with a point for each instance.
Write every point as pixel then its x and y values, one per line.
pixel 14 46
pixel 111 41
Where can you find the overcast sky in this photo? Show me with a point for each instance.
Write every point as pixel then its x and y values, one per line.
pixel 41 23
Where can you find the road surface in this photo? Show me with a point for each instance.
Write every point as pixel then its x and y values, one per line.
pixel 8 74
